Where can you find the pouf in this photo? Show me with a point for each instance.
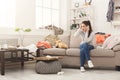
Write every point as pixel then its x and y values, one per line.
pixel 48 67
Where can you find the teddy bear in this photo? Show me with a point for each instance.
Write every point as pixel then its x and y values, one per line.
pixel 60 44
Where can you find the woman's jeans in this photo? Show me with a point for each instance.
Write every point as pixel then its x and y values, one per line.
pixel 84 53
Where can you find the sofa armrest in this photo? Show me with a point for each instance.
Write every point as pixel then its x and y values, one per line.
pixel 116 48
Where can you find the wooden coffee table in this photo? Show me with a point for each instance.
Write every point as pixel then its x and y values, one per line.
pixel 17 51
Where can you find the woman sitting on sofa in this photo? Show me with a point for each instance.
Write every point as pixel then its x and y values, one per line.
pixel 87 35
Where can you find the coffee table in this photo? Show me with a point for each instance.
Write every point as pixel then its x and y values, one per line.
pixel 17 51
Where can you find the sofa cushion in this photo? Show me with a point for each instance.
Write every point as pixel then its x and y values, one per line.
pixel 74 41
pixel 116 48
pixel 54 51
pixel 73 52
pixel 102 53
pixel 65 39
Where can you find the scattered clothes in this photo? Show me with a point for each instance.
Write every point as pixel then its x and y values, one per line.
pixel 45 44
pixel 111 41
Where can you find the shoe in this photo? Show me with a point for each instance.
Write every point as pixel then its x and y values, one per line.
pixel 82 69
pixel 90 64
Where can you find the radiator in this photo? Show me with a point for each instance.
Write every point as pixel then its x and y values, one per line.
pixel 9 41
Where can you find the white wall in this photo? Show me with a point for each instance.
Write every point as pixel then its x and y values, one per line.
pixel 63 14
pixel 25 13
pixel 100 21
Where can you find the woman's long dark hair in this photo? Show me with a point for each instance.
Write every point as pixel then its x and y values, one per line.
pixel 88 24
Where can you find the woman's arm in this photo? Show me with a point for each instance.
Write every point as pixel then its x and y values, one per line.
pixel 78 33
pixel 90 38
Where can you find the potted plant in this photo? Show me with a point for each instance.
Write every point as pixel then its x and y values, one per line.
pixel 21 31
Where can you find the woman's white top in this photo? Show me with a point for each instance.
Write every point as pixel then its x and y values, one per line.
pixel 84 36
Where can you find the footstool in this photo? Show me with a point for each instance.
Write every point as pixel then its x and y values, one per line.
pixel 48 66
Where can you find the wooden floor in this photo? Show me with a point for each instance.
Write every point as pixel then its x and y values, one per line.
pixel 28 73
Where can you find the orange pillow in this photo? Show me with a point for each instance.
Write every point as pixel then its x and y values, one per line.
pixel 100 38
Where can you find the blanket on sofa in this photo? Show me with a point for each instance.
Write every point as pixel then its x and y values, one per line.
pixel 111 41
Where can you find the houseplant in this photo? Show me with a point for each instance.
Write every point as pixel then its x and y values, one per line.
pixel 21 32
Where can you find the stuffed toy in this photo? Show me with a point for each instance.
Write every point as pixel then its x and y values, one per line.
pixel 60 44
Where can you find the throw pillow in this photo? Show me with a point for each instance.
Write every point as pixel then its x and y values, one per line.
pixel 51 39
pixel 100 38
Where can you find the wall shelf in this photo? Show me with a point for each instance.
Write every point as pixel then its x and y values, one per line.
pixel 82 18
pixel 77 15
pixel 116 23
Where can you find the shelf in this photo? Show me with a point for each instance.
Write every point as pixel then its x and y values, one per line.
pixel 82 7
pixel 80 14
pixel 81 18
pixel 116 23
pixel 18 59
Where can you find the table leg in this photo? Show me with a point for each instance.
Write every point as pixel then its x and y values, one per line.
pixel 38 53
pixel 27 55
pixel 22 59
pixel 2 63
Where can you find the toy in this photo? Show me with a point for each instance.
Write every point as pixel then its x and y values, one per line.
pixel 60 44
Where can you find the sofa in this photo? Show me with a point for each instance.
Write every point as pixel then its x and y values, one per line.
pixel 102 58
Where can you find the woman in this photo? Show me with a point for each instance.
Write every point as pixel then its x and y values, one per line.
pixel 87 35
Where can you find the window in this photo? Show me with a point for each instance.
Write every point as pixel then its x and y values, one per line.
pixel 47 13
pixel 7 13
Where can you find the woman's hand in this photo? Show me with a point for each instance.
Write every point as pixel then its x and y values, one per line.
pixel 87 28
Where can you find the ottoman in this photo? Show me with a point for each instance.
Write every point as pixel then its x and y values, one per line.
pixel 48 67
